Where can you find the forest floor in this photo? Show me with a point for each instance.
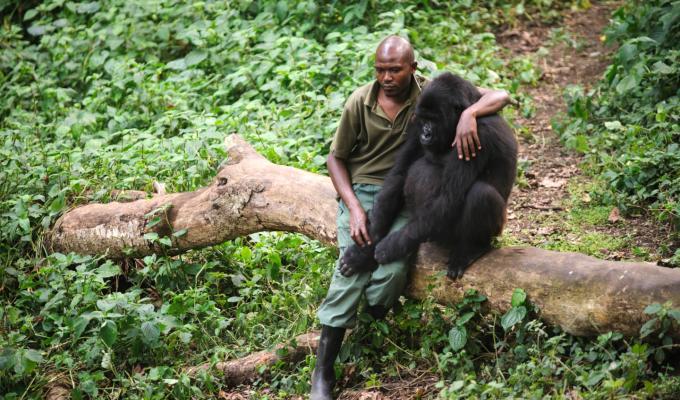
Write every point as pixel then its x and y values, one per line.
pixel 570 52
pixel 541 209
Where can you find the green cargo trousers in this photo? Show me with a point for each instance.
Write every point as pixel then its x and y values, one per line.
pixel 382 286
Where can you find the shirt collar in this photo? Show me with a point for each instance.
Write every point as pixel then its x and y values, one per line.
pixel 372 99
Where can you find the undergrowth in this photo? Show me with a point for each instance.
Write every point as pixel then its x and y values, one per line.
pixel 117 94
pixel 629 126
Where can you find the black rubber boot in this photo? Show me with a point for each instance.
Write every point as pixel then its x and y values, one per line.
pixel 378 312
pixel 323 377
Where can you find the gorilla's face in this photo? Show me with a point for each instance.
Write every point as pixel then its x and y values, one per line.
pixel 426 133
pixel 433 132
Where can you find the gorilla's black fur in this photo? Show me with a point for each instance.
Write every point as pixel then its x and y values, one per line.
pixel 459 204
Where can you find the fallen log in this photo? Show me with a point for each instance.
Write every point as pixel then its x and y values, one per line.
pixel 583 295
pixel 58 387
pixel 248 368
pixel 249 194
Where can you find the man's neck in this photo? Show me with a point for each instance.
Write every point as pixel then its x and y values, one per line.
pixel 391 105
pixel 398 100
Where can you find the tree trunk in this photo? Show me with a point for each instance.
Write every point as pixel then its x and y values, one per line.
pixel 249 194
pixel 581 294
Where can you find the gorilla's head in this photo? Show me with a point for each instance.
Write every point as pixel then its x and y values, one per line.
pixel 435 131
pixel 438 111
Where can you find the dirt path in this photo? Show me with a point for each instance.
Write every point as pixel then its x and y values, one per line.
pixel 540 205
pixel 579 58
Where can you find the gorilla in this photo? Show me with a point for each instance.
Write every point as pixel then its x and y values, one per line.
pixel 461 205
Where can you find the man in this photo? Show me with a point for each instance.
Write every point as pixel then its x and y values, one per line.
pixel 372 127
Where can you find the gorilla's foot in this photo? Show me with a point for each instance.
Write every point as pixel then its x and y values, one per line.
pixel 390 249
pixel 357 259
pixel 458 265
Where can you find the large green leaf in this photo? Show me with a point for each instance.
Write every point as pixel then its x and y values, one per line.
pixel 150 332
pixel 109 332
pixel 457 337
pixel 512 317
pixel 519 296
pixel 628 83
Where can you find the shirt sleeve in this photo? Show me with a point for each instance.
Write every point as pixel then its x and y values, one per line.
pixel 348 130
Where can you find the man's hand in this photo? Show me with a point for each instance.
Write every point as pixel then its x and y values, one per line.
pixel 467 141
pixel 358 226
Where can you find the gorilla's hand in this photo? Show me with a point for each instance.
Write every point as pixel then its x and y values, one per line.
pixel 357 259
pixel 391 248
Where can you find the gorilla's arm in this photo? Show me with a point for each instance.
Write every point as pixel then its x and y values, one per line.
pixel 388 204
pixel 442 211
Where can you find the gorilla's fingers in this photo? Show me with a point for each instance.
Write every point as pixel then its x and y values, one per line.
pixel 460 273
pixel 385 251
pixel 381 256
pixel 357 259
pixel 380 253
pixel 346 270
pixel 454 275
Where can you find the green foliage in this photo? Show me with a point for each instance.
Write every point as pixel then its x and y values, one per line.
pixel 517 311
pixel 664 321
pixel 114 95
pixel 539 11
pixel 526 360
pixel 629 126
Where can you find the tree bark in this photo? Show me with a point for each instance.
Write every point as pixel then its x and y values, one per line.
pixel 581 294
pixel 249 194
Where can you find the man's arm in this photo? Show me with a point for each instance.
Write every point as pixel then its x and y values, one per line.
pixel 358 221
pixel 467 140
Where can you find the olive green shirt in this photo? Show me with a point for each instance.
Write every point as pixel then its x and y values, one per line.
pixel 366 139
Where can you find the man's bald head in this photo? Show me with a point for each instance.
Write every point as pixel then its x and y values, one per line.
pixel 394 67
pixel 395 48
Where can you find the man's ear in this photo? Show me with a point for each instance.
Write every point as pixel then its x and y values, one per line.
pixel 414 66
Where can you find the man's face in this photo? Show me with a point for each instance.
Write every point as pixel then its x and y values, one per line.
pixel 393 73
